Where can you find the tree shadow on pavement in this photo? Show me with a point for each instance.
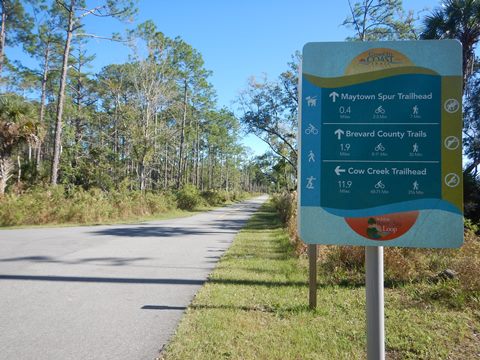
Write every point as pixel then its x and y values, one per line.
pixel 109 261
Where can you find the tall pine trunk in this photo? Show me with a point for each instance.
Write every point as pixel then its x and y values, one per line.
pixel 165 174
pixel 61 97
pixel 43 99
pixel 116 144
pixel 202 168
pixel 182 137
pixel 3 34
pixel 197 154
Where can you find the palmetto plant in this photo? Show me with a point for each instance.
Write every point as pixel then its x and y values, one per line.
pixel 17 126
pixel 457 19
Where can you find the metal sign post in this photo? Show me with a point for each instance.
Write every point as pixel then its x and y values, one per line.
pixel 375 303
pixel 312 270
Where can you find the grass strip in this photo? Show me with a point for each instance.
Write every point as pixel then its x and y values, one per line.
pixel 255 306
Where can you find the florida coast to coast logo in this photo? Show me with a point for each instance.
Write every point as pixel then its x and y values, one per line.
pixel 377 59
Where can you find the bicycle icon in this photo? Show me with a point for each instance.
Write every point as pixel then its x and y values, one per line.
pixel 311 130
pixel 380 148
pixel 379 110
pixel 380 185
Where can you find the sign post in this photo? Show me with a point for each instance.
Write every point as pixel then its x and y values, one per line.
pixel 380 136
pixel 375 308
pixel 312 274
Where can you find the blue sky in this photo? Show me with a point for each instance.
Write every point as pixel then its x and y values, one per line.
pixel 237 39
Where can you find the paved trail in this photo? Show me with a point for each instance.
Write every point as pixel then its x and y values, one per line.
pixel 106 292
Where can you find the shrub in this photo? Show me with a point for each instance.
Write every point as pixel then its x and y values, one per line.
pixel 409 264
pixel 471 226
pixel 220 197
pixel 400 264
pixel 286 206
pixel 158 203
pixel 346 257
pixel 471 196
pixel 213 198
pixel 224 196
pixel 467 263
pixel 188 198
pixel 76 205
pixel 239 195
pixel 346 264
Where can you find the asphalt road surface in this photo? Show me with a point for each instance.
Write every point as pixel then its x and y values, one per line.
pixel 106 292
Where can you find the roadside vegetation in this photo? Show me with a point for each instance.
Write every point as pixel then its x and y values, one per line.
pixel 60 205
pixel 255 306
pixel 403 266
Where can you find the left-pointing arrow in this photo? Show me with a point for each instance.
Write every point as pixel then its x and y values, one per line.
pixel 339 170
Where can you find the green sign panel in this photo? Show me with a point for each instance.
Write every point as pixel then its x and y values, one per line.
pixel 380 133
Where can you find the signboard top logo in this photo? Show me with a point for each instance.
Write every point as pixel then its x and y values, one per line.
pixel 377 59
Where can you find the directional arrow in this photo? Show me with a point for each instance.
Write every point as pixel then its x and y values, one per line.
pixel 334 95
pixel 339 170
pixel 339 133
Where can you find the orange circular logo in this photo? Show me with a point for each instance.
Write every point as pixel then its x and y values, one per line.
pixel 383 227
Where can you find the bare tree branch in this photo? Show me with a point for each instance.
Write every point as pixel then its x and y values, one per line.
pixel 93 36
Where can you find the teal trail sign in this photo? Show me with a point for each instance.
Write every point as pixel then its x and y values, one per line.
pixel 381 144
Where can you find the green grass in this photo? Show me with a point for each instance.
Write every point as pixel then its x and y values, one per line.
pixel 255 306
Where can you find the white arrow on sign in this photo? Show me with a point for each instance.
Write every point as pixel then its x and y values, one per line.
pixel 339 133
pixel 339 170
pixel 334 95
